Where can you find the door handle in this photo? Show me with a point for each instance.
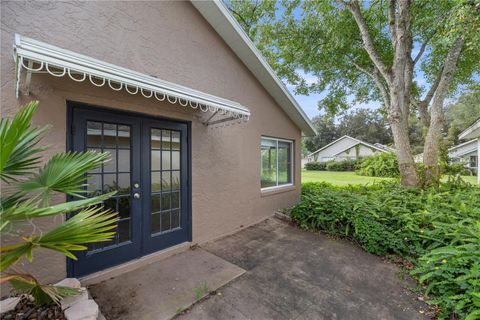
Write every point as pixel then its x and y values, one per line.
pixel 136 195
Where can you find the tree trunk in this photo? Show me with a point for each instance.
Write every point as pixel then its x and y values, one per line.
pixel 406 165
pixel 432 146
pixel 402 73
pixel 434 134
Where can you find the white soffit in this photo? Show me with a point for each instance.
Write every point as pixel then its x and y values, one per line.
pixel 231 32
pixel 36 56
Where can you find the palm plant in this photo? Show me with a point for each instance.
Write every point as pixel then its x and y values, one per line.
pixel 26 196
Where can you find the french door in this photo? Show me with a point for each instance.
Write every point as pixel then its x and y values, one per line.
pixel 148 169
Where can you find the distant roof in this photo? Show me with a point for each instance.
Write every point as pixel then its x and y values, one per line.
pixel 472 132
pixel 462 144
pixel 344 137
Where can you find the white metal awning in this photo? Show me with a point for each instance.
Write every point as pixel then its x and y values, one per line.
pixel 38 57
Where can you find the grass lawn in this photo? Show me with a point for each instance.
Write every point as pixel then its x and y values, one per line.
pixel 345 178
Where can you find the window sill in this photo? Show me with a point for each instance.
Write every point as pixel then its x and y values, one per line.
pixel 276 190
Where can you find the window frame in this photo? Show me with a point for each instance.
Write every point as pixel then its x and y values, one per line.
pixel 292 165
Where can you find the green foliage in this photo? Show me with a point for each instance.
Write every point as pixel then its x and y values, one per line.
pixel 321 39
pixel 319 166
pixel 27 198
pixel 453 169
pixel 461 114
pixel 44 294
pixel 382 164
pixel 344 165
pixel 20 153
pixel 438 230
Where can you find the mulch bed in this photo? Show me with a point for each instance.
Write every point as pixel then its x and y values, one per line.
pixel 27 310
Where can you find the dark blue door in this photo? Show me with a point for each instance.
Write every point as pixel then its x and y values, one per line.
pixel 149 169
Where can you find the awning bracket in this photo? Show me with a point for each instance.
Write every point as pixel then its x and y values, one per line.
pixel 207 122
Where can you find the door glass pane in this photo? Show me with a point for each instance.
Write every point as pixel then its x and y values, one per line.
pixel 175 160
pixel 166 160
pixel 94 134
pixel 155 223
pixel 155 206
pixel 175 140
pixel 165 180
pixel 175 201
pixel 175 218
pixel 166 139
pixel 95 184
pixel 115 140
pixel 123 183
pixel 109 135
pixel 165 205
pixel 155 160
pixel 156 187
pixel 124 207
pixel 165 221
pixel 98 150
pixel 123 160
pixel 175 180
pixel 109 182
pixel 111 164
pixel 123 230
pixel 123 136
pixel 165 173
pixel 155 139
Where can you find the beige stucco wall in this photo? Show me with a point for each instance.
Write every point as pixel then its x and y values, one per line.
pixel 170 40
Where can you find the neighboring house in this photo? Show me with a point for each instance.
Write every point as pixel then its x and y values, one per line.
pixel 204 137
pixel 473 132
pixel 344 148
pixel 418 158
pixel 466 153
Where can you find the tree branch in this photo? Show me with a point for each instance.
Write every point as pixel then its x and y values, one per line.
pixel 422 106
pixel 378 81
pixel 354 8
pixel 420 53
pixel 423 47
pixel 440 87
pixel 433 88
pixel 391 20
pixel 448 70
pixel 239 16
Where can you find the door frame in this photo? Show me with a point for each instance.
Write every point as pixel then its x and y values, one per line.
pixel 71 105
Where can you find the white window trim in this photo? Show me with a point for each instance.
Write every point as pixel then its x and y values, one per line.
pixel 292 152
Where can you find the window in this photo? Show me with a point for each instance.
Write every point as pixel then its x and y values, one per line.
pixel 473 161
pixel 276 166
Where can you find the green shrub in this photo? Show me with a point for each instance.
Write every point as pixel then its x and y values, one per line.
pixel 438 230
pixel 382 164
pixel 319 166
pixel 453 169
pixel 344 165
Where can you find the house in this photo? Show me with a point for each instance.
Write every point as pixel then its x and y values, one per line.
pixel 473 132
pixel 467 153
pixel 344 148
pixel 204 137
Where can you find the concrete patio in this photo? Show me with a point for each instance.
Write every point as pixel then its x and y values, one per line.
pixel 290 274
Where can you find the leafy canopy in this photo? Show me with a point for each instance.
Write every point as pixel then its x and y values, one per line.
pixel 321 38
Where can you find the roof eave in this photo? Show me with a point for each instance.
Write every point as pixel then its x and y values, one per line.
pixel 231 32
pixel 472 132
